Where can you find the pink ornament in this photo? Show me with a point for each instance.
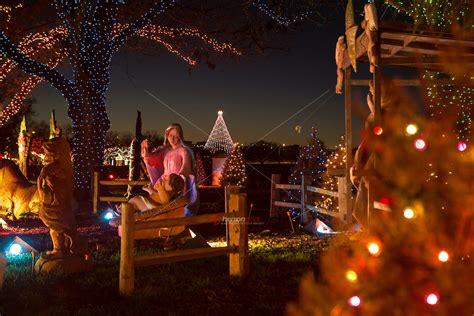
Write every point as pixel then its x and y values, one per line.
pixel 355 301
pixel 462 146
pixel 432 299
pixel 420 144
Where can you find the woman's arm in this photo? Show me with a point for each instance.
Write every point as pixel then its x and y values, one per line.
pixel 186 167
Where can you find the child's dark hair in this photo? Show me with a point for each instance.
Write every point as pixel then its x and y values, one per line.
pixel 177 183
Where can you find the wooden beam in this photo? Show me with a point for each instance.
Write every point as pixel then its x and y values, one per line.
pixel 321 191
pixel 113 199
pixel 305 217
pixel 274 195
pixel 410 82
pixel 419 61
pixel 238 236
pixel 182 255
pixel 418 30
pixel 288 186
pixel 348 136
pixel 287 204
pixel 127 252
pixel 322 210
pixel 181 221
pixel 124 182
pixel 95 193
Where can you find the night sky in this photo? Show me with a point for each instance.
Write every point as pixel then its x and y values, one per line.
pixel 256 93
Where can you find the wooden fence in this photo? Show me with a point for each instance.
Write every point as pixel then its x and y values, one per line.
pixel 96 184
pixel 237 244
pixel 343 195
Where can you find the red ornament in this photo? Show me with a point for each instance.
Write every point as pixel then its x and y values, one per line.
pixel 378 130
pixel 385 200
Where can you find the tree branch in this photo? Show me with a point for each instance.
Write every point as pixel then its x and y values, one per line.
pixel 35 68
pixel 145 19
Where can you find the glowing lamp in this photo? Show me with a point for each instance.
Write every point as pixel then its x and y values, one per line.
pixel 108 215
pixel 420 144
pixel 432 299
pixel 111 176
pixel 443 256
pixel 378 130
pixel 462 146
pixel 373 248
pixel 411 129
pixel 408 213
pixel 355 301
pixel 15 249
pixel 351 276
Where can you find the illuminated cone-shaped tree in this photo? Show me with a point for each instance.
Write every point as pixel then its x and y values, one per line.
pixel 200 170
pixel 415 259
pixel 219 139
pixel 234 168
pixel 336 160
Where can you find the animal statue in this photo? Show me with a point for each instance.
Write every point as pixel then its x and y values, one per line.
pixel 18 197
pixel 55 189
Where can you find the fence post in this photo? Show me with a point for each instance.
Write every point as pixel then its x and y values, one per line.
pixel 238 233
pixel 305 216
pixel 95 192
pixel 127 266
pixel 344 197
pixel 274 195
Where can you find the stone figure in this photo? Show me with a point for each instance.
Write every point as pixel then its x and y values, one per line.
pixel 55 189
pixel 18 197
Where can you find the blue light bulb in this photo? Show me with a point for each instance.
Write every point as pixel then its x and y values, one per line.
pixel 15 249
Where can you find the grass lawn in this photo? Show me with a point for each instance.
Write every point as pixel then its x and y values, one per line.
pixel 199 287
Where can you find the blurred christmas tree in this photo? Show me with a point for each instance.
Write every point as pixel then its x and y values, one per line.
pixel 311 161
pixel 200 171
pixel 336 161
pixel 233 172
pixel 444 14
pixel 415 259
